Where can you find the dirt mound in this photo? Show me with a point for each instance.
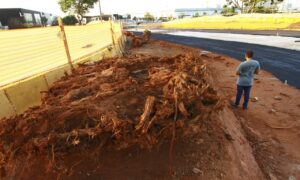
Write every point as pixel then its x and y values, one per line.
pixel 294 26
pixel 118 102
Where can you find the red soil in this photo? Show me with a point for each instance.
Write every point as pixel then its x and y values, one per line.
pixel 154 117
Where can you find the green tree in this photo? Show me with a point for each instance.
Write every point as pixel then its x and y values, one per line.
pixel 276 1
pixel 134 18
pixel 181 15
pixel 148 17
pixel 245 6
pixel 128 16
pixel 196 15
pixel 78 7
pixel 70 20
pixel 228 11
pixel 249 6
pixel 44 20
pixel 170 18
pixel 163 18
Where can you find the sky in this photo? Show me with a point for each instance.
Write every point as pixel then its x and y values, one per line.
pixel 121 6
pixel 114 6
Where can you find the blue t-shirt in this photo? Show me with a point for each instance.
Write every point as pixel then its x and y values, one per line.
pixel 246 70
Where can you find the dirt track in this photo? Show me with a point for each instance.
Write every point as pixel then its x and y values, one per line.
pixel 89 125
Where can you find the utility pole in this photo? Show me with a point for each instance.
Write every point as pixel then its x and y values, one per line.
pixel 100 10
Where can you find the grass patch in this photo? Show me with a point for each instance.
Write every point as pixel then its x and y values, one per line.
pixel 244 21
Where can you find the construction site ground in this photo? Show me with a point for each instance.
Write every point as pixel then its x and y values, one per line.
pixel 161 112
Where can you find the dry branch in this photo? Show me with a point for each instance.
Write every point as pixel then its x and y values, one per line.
pixel 183 110
pixel 145 117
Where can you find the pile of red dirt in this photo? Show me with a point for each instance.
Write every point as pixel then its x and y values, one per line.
pixel 138 41
pixel 117 103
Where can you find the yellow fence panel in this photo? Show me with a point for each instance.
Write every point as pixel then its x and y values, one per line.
pixel 87 39
pixel 27 52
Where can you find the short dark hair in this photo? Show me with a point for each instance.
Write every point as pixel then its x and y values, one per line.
pixel 249 53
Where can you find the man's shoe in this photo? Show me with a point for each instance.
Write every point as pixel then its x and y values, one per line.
pixel 233 104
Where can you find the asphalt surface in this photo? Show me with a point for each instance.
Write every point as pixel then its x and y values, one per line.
pixel 285 33
pixel 283 63
pixel 279 32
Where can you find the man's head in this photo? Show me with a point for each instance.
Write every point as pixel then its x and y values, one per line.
pixel 249 54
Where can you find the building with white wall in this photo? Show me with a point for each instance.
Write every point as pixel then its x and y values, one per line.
pixel 289 6
pixel 190 12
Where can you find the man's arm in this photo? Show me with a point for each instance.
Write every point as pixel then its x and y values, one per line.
pixel 257 69
pixel 238 70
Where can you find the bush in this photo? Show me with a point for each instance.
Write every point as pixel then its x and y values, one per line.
pixel 196 15
pixel 170 18
pixel 181 15
pixel 266 10
pixel 70 20
pixel 16 23
pixel 228 11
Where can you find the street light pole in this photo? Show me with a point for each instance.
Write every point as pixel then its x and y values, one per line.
pixel 100 10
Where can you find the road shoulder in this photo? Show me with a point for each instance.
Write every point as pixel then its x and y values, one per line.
pixel 272 122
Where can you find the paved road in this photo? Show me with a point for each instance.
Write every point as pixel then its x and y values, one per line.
pixel 283 63
pixel 286 33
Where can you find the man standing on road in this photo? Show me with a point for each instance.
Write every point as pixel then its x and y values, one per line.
pixel 245 71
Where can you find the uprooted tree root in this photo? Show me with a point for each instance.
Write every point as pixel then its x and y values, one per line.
pixel 118 102
pixel 138 41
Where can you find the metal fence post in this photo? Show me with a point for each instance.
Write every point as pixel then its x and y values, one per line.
pixel 122 36
pixel 121 25
pixel 63 35
pixel 112 32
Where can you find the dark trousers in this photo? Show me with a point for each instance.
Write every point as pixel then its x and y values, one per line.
pixel 240 90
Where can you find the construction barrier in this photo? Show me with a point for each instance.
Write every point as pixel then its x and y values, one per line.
pixel 32 59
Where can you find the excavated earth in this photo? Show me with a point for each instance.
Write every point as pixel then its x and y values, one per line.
pixel 156 113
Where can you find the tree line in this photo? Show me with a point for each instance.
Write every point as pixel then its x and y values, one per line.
pixel 81 7
pixel 252 6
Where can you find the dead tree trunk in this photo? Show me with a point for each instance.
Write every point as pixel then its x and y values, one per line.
pixel 145 117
